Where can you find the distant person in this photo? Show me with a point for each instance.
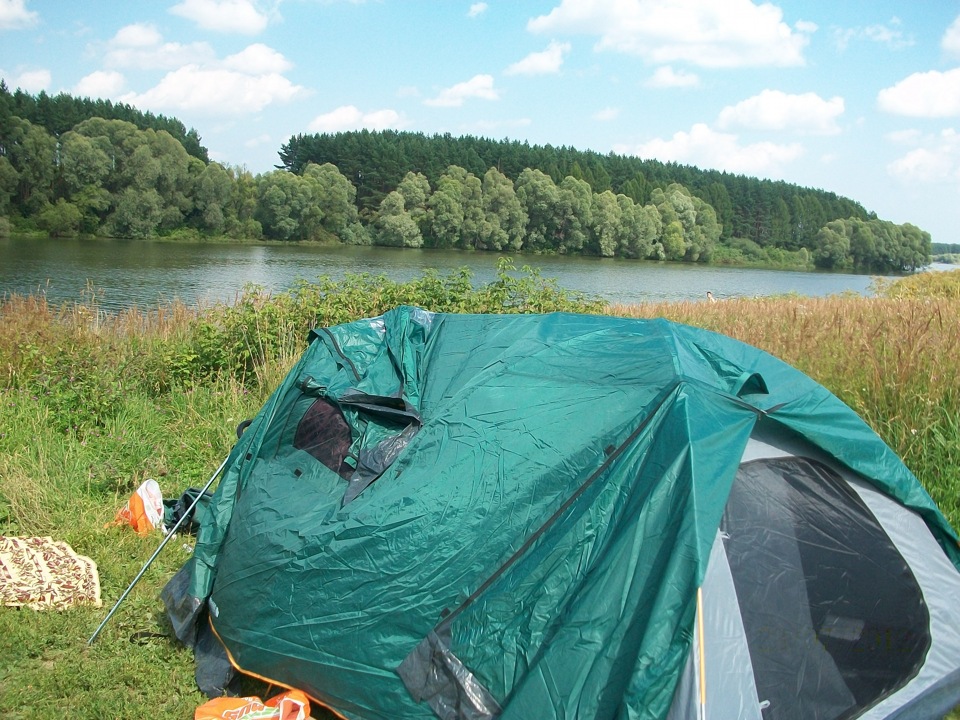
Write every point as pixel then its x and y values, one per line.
pixel 710 297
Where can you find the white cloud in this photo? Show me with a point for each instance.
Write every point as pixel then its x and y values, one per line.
pixel 707 148
pixel 479 86
pixel 382 119
pixel 32 81
pixel 935 161
pixel 931 94
pixel 99 84
pixel 216 91
pixel 776 110
pixel 951 38
pixel 477 9
pixel 256 59
pixel 232 16
pixel 137 35
pixel 706 33
pixel 923 165
pixel 541 63
pixel 14 15
pixel 349 117
pixel 910 136
pixel 262 139
pixel 666 77
pixel 141 46
pixel 607 114
pixel 890 35
pixel 197 80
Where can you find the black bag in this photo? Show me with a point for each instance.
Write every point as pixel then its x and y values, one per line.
pixel 174 510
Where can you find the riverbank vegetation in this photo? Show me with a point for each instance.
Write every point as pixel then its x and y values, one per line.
pixel 92 403
pixel 948 253
pixel 70 167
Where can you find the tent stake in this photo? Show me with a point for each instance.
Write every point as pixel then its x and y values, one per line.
pixel 153 557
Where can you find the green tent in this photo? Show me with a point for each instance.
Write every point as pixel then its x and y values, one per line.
pixel 526 516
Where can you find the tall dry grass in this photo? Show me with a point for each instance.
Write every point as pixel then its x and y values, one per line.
pixel 893 360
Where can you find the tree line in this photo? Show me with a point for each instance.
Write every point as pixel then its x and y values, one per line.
pixel 766 212
pixel 62 112
pixel 111 176
pixel 945 248
pixel 759 220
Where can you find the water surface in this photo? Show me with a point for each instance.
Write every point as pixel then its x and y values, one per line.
pixel 123 273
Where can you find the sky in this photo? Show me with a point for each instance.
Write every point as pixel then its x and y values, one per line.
pixel 856 97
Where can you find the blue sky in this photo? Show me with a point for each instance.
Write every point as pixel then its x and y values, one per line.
pixel 861 98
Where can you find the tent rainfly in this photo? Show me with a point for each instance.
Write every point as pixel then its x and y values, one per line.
pixel 569 516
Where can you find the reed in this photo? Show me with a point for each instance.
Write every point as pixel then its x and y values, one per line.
pixel 893 360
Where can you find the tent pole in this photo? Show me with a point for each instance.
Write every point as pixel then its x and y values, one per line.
pixel 703 664
pixel 153 557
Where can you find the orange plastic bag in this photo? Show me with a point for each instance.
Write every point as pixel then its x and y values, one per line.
pixel 291 705
pixel 144 509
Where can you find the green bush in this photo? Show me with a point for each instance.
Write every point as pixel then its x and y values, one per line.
pixel 60 220
pixel 745 252
pixel 260 328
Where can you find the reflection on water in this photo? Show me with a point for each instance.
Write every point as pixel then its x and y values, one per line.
pixel 142 273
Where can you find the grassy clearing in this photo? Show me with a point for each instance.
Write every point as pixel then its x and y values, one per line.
pixel 92 404
pixel 69 484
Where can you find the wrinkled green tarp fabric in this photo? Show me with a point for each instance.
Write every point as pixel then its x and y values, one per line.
pixel 557 506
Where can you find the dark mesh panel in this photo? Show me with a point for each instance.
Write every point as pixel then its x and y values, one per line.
pixel 834 618
pixel 324 433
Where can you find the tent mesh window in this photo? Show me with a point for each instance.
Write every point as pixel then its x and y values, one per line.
pixel 324 433
pixel 832 613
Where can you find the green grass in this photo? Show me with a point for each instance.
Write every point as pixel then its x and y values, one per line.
pixel 68 485
pixel 93 404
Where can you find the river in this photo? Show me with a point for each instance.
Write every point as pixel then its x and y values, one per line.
pixel 124 273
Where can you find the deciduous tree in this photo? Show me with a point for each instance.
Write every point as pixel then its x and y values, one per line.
pixel 540 199
pixel 504 219
pixel 607 219
pixel 395 226
pixel 61 219
pixel 336 197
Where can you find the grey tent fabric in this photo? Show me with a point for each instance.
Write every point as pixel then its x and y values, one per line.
pixel 798 679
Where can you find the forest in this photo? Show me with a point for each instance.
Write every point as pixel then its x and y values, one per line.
pixel 946 253
pixel 72 166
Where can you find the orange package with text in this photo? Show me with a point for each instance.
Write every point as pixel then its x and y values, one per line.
pixel 144 510
pixel 291 705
